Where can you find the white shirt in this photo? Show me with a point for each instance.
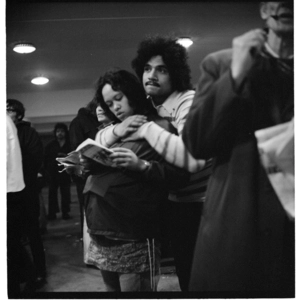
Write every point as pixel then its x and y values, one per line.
pixel 14 169
pixel 176 108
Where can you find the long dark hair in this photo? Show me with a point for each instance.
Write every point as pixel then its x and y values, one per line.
pixel 129 85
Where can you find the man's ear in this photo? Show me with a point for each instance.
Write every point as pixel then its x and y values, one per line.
pixel 263 10
pixel 19 117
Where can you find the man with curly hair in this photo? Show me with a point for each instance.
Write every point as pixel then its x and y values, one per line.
pixel 162 66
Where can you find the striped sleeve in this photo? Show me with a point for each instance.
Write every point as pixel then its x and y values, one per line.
pixel 170 147
pixel 106 136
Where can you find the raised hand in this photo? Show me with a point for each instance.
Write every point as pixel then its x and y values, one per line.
pixel 129 125
pixel 245 47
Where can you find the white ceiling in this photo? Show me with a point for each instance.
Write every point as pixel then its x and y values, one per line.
pixel 77 41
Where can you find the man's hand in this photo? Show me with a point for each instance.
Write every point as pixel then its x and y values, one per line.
pixel 245 48
pixel 129 125
pixel 125 158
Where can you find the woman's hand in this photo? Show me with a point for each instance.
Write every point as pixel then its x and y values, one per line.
pixel 129 125
pixel 86 163
pixel 125 158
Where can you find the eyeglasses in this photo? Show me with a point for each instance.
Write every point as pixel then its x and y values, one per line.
pixel 9 110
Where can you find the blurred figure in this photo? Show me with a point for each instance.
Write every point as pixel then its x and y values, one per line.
pixel 14 186
pixel 32 159
pixel 246 240
pixel 58 147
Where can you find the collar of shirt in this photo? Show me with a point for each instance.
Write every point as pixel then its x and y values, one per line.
pixel 168 106
pixel 271 52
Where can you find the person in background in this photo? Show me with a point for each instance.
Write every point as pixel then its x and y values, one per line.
pixel 161 65
pixel 58 147
pixel 32 160
pixel 246 241
pixel 86 124
pixel 122 200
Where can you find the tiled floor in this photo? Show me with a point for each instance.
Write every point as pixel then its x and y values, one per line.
pixel 68 276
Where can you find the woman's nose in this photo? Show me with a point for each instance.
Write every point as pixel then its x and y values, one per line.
pixel 116 106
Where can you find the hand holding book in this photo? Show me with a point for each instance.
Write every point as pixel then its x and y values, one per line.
pixel 76 161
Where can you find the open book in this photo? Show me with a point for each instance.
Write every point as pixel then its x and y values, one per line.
pixel 89 148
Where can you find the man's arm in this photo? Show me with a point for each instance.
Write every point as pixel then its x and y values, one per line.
pixel 111 134
pixel 221 97
pixel 170 147
pixel 158 172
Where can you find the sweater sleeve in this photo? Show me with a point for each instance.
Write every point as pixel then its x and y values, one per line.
pixel 106 136
pixel 170 147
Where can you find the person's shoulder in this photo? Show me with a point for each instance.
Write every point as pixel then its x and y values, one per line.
pixel 224 55
pixel 177 99
pixel 51 143
pixel 23 124
pixel 186 94
pixel 25 127
pixel 81 114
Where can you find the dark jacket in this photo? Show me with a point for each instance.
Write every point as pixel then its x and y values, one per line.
pixel 245 240
pixel 127 201
pixel 32 151
pixel 83 126
pixel 52 151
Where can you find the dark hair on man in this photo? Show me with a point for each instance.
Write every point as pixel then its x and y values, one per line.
pixel 17 106
pixel 62 126
pixel 174 56
pixel 129 85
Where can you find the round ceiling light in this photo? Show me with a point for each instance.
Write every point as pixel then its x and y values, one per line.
pixel 40 80
pixel 24 48
pixel 185 42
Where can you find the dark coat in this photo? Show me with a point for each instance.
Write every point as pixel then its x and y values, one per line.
pixel 52 151
pixel 83 126
pixel 32 151
pixel 245 241
pixel 127 204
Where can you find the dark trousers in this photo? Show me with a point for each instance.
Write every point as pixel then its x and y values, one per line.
pixel 182 221
pixel 64 184
pixel 17 257
pixel 80 183
pixel 32 229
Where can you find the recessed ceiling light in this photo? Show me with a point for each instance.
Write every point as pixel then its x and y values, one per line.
pixel 40 80
pixel 24 48
pixel 185 41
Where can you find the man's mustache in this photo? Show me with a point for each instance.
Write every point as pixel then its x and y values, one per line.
pixel 153 83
